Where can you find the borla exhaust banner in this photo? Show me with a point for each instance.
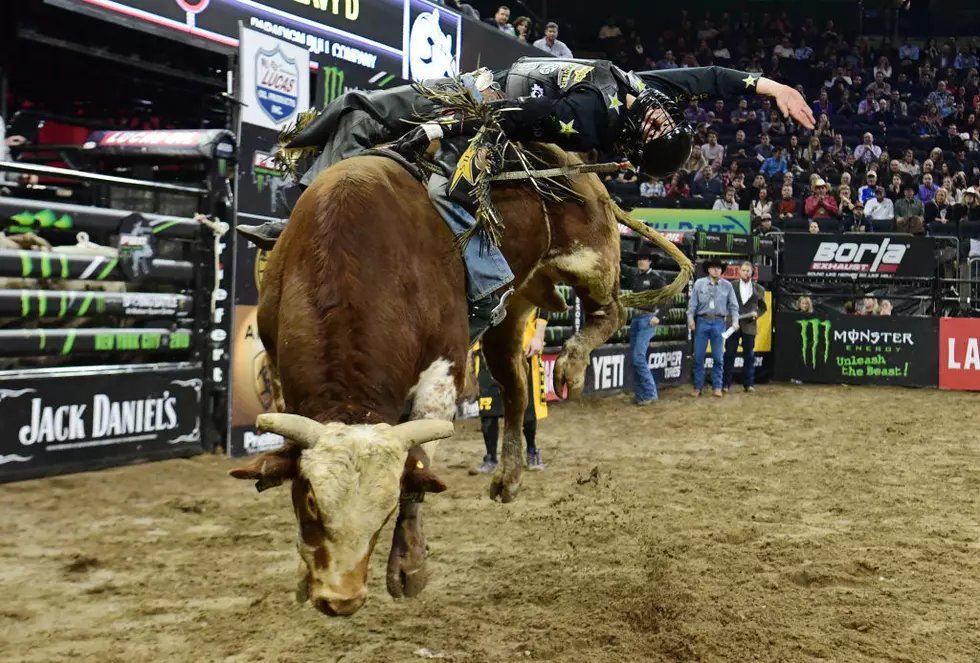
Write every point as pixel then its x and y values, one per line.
pixel 85 419
pixel 857 349
pixel 275 80
pixel 859 256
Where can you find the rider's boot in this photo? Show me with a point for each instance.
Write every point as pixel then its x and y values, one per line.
pixel 263 235
pixel 488 312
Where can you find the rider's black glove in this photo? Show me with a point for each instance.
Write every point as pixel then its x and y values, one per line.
pixel 413 143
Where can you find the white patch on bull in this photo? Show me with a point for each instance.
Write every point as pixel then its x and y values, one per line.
pixel 584 262
pixel 435 392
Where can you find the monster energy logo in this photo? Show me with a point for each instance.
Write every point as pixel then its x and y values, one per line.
pixel 729 242
pixel 810 339
pixel 45 218
pixel 333 83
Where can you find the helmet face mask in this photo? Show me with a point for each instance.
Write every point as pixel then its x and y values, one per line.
pixel 659 139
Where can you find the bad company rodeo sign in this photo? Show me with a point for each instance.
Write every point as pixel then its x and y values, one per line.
pixel 851 349
pixel 93 419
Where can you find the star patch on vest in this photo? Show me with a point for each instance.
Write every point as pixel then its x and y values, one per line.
pixel 572 74
pixel 568 128
pixel 464 169
pixel 750 80
pixel 614 103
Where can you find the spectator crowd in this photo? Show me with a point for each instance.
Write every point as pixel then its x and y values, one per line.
pixel 897 141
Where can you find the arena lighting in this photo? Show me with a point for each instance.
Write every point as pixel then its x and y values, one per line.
pixel 165 22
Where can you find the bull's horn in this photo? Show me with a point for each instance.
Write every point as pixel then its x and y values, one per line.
pixel 301 430
pixel 413 433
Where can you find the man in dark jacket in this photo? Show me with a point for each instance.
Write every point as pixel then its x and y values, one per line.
pixel 579 105
pixel 643 326
pixel 751 298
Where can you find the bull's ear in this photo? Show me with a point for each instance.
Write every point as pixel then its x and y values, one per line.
pixel 418 476
pixel 271 468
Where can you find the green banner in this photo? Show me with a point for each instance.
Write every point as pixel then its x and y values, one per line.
pixel 737 223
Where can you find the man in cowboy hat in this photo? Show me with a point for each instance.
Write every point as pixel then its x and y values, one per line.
pixel 712 299
pixel 643 326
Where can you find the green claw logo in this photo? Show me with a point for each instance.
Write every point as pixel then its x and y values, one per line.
pixel 810 338
pixel 44 219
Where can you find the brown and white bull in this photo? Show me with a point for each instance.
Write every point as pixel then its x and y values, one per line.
pixel 363 307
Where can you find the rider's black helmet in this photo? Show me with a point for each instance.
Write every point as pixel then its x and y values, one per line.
pixel 668 151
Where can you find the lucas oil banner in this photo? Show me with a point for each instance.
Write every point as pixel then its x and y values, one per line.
pixel 275 80
pixel 83 419
pixel 857 349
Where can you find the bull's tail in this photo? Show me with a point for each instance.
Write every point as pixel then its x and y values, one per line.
pixel 651 298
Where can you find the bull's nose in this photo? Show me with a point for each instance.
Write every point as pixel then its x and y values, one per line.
pixel 335 607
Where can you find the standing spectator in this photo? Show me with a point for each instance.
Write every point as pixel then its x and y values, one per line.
pixel 653 188
pixel 550 43
pixel 727 203
pixel 713 153
pixel 787 204
pixel 761 206
pixel 820 205
pixel 927 190
pixel 501 20
pixel 706 185
pixel 879 208
pixel 712 298
pixel 522 28
pixel 643 327
pixel 867 192
pixel 751 300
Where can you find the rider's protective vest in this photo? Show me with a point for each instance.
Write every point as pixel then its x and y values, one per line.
pixel 555 78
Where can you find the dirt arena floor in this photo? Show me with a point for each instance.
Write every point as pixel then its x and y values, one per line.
pixel 796 524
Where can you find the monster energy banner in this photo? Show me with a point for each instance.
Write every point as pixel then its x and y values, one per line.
pixel 854 349
pixel 87 418
pixel 731 244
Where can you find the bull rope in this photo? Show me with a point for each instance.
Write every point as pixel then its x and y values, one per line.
pixel 218 230
pixel 651 298
pixel 562 171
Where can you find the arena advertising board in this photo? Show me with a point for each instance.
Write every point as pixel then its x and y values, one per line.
pixel 610 371
pixel 409 39
pixel 857 349
pixel 80 419
pixel 959 354
pixel 858 256
pixel 274 79
pixel 735 222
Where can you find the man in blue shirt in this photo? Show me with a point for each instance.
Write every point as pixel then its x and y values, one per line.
pixel 774 165
pixel 712 298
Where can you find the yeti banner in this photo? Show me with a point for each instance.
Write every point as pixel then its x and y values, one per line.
pixel 857 349
pixel 83 419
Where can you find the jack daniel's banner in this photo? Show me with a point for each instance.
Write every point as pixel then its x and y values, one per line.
pixel 861 256
pixel 83 419
pixel 857 349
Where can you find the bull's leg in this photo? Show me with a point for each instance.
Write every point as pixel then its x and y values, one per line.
pixel 603 316
pixel 434 398
pixel 503 349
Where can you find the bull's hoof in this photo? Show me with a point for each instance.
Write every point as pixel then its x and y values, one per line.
pixel 569 372
pixel 505 486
